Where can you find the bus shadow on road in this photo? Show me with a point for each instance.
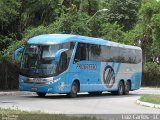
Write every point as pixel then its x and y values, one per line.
pixel 105 95
pixel 84 96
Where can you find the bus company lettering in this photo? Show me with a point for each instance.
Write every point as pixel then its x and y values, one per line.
pixel 86 66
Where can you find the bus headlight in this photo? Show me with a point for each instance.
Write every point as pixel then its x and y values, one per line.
pixel 21 80
pixel 56 80
pixel 51 82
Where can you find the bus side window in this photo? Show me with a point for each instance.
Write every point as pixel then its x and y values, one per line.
pixel 95 53
pixel 138 54
pixel 81 52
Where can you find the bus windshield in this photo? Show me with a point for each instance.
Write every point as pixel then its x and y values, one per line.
pixel 39 60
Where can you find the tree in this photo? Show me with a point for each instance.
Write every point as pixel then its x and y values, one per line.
pixel 68 24
pixel 124 12
pixel 113 32
pixel 5 41
pixel 9 15
pixel 93 6
pixel 147 11
pixel 156 38
pixel 37 12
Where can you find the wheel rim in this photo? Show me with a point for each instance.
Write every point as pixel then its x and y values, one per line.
pixel 127 87
pixel 121 88
pixel 74 88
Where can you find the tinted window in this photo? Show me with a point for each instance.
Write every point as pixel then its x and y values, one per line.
pixel 105 53
pixel 131 56
pixel 138 56
pixel 102 53
pixel 114 56
pixel 95 52
pixel 81 52
pixel 122 55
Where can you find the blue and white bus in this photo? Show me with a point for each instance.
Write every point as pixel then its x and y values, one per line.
pixel 68 64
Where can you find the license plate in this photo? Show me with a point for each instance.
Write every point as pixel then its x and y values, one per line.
pixel 34 89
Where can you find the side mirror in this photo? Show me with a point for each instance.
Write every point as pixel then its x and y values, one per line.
pixel 58 54
pixel 61 60
pixel 19 50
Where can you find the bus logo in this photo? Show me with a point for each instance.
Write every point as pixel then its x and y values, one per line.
pixel 108 76
pixel 86 66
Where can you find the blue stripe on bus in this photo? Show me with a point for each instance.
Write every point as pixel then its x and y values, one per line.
pixel 118 68
pixel 113 65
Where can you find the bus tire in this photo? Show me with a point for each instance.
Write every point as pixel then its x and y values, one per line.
pixel 40 94
pixel 121 88
pixel 74 90
pixel 127 88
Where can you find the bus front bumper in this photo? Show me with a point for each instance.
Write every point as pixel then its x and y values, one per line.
pixel 57 86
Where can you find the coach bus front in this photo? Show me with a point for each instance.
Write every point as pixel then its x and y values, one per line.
pixel 38 62
pixel 41 66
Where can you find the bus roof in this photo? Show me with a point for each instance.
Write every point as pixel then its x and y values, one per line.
pixel 62 38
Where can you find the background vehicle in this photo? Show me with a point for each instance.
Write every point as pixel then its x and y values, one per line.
pixel 61 63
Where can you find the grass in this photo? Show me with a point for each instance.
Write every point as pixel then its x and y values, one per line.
pixel 151 98
pixel 23 115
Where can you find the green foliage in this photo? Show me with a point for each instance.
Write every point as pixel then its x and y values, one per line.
pixel 40 12
pixel 37 115
pixel 68 24
pixel 125 12
pixel 151 98
pixel 9 10
pixel 134 36
pixel 156 35
pixel 151 74
pixel 93 6
pixel 31 31
pixel 148 25
pixel 9 14
pixel 113 32
pixel 5 41
pixel 8 52
pixel 71 24
pixel 4 56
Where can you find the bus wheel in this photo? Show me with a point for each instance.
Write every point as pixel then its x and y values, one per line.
pixel 121 88
pixel 74 90
pixel 127 88
pixel 40 94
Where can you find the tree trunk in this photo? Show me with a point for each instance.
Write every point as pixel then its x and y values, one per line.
pixel 80 6
pixel 89 7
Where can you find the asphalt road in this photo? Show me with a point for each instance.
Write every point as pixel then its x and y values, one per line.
pixel 83 104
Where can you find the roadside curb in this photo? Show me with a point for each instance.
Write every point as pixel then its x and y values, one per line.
pixel 148 104
pixel 12 93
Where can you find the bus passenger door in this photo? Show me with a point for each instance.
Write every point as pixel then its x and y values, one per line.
pixel 81 67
